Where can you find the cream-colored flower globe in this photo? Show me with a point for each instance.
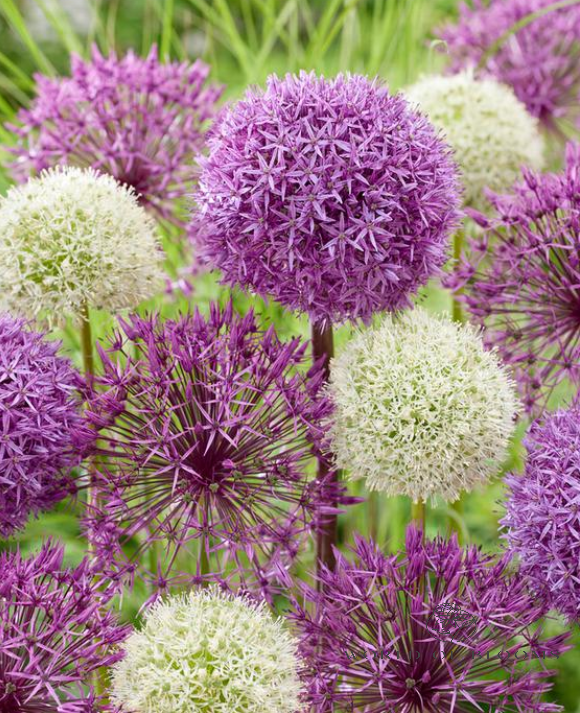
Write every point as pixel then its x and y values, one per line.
pixel 208 652
pixel 488 128
pixel 71 239
pixel 421 408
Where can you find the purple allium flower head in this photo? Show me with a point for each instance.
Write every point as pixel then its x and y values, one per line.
pixel 434 628
pixel 139 120
pixel 332 196
pixel 543 511
pixel 39 417
pixel 521 279
pixel 540 60
pixel 206 427
pixel 55 632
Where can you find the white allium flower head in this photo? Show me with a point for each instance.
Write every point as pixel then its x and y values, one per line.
pixel 489 129
pixel 72 237
pixel 208 652
pixel 421 407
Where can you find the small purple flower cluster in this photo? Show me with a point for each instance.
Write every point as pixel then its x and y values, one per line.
pixel 521 279
pixel 140 120
pixel 54 633
pixel 543 511
pixel 40 420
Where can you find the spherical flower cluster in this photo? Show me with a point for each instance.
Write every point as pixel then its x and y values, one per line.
pixel 71 239
pixel 543 511
pixel 39 414
pixel 521 280
pixel 138 120
pixel 55 633
pixel 527 45
pixel 433 628
pixel 206 428
pixel 489 129
pixel 421 408
pixel 209 651
pixel 332 196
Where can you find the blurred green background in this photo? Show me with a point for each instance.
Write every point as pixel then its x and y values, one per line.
pixel 243 41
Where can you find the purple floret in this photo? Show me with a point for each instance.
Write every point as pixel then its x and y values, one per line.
pixel 433 628
pixel 55 633
pixel 206 429
pixel 331 196
pixel 139 120
pixel 540 59
pixel 40 420
pixel 521 280
pixel 543 511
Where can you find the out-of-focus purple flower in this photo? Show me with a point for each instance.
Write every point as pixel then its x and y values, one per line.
pixel 54 633
pixel 39 418
pixel 139 120
pixel 521 279
pixel 206 427
pixel 434 628
pixel 540 59
pixel 543 511
pixel 332 196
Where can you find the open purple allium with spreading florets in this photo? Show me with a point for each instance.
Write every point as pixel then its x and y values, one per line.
pixel 39 415
pixel 540 60
pixel 332 196
pixel 543 511
pixel 521 279
pixel 206 427
pixel 139 120
pixel 432 629
pixel 54 633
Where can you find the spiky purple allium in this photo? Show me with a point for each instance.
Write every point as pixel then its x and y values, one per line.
pixel 54 632
pixel 543 511
pixel 432 629
pixel 206 427
pixel 39 416
pixel 540 59
pixel 332 196
pixel 139 120
pixel 521 279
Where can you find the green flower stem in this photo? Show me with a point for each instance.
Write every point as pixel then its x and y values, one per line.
pixel 457 307
pixel 458 316
pixel 323 347
pixel 88 354
pixel 418 515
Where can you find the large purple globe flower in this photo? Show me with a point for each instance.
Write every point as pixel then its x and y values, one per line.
pixel 141 121
pixel 539 59
pixel 39 418
pixel 543 511
pixel 206 427
pixel 55 633
pixel 332 196
pixel 521 280
pixel 432 629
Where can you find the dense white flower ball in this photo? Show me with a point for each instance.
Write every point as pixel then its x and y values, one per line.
pixel 489 129
pixel 421 408
pixel 208 652
pixel 71 238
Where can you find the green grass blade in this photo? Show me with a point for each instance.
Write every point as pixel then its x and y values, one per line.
pixel 18 25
